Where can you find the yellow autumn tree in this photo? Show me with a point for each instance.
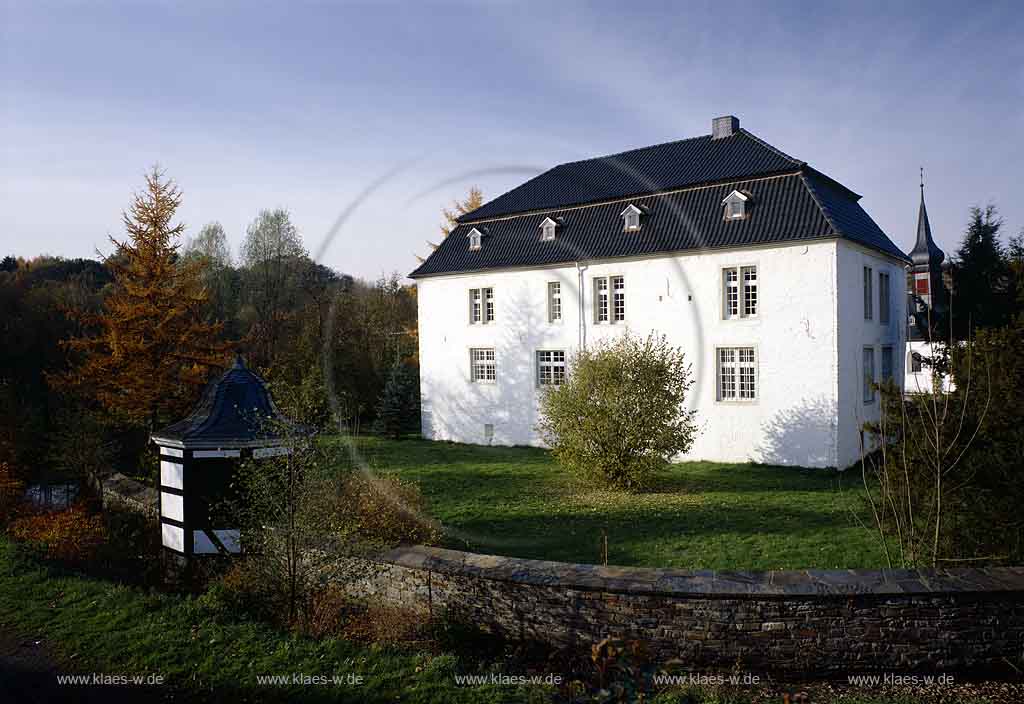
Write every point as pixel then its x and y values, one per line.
pixel 459 208
pixel 149 351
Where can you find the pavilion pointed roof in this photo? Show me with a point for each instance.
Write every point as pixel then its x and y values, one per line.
pixel 234 411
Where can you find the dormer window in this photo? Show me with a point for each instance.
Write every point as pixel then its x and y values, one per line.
pixel 547 229
pixel 475 238
pixel 631 218
pixel 736 204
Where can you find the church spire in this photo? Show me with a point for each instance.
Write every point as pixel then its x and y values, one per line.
pixel 925 252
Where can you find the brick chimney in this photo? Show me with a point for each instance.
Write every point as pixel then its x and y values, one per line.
pixel 725 126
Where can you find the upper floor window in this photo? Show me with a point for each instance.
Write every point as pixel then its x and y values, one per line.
pixel 475 238
pixel 481 305
pixel 631 218
pixel 737 374
pixel 739 285
pixel 868 295
pixel 736 205
pixel 550 367
pixel 547 229
pixel 609 299
pixel 554 301
pixel 481 365
pixel 883 298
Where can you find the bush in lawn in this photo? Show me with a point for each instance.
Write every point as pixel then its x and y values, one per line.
pixel 387 510
pixel 620 414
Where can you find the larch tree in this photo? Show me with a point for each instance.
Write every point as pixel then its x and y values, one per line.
pixel 459 208
pixel 472 201
pixel 150 351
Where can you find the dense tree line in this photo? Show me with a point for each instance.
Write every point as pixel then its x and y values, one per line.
pixel 103 351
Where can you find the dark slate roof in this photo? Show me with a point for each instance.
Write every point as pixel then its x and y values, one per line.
pixel 794 207
pixel 681 185
pixel 662 167
pixel 234 411
pixel 925 251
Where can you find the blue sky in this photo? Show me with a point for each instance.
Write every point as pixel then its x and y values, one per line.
pixel 384 112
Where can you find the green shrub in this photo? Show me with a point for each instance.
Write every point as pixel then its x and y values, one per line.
pixel 620 414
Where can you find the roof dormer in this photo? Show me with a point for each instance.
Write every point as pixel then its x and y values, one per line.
pixel 476 238
pixel 737 205
pixel 548 228
pixel 631 218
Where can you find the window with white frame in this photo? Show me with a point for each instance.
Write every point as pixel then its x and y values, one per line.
pixel 737 374
pixel 550 367
pixel 868 312
pixel 735 205
pixel 476 306
pixel 601 299
pixel 488 305
pixel 869 374
pixel 739 285
pixel 609 299
pixel 475 238
pixel 887 362
pixel 883 298
pixel 618 299
pixel 631 218
pixel 554 301
pixel 481 305
pixel 547 229
pixel 481 365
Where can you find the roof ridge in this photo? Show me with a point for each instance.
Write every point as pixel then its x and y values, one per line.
pixel 784 155
pixel 825 212
pixel 634 149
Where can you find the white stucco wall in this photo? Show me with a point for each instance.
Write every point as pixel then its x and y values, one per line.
pixel 923 382
pixel 793 421
pixel 856 333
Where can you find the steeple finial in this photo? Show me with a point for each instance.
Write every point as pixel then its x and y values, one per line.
pixel 922 180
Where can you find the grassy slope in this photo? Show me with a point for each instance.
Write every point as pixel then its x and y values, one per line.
pixel 516 501
pixel 103 627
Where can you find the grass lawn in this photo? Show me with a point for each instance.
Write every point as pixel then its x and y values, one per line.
pixel 518 502
pixel 98 626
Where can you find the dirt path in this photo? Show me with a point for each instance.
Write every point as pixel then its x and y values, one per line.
pixel 29 671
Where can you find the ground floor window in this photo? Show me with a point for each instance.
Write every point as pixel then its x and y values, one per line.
pixel 550 367
pixel 482 364
pixel 886 364
pixel 737 374
pixel 869 374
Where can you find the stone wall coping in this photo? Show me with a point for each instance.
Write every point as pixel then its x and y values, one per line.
pixel 708 583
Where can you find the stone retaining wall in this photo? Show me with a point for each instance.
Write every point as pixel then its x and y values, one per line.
pixel 811 622
pixel 794 622
pixel 131 494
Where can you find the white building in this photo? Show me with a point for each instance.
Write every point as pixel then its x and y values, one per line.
pixel 785 295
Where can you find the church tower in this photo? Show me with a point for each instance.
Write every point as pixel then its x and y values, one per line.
pixel 925 288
